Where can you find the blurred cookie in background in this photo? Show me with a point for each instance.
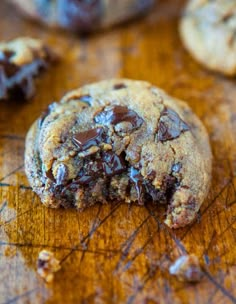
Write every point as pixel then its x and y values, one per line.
pixel 82 15
pixel 208 31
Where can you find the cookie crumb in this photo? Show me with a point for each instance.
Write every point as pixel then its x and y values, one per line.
pixel 47 264
pixel 187 269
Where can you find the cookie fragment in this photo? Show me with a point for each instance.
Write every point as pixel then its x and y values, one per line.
pixel 20 61
pixel 47 265
pixel 187 268
pixel 208 31
pixel 133 144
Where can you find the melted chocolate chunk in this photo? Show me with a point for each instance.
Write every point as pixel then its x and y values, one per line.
pixel 46 113
pixel 87 139
pixel 176 168
pixel 169 185
pixel 82 15
pixel 8 67
pixel 113 164
pixel 170 126
pixel 107 164
pixel 50 175
pixel 151 175
pixel 6 55
pixel 87 99
pixel 62 174
pixel 165 193
pixel 84 179
pixel 119 86
pixel 119 114
pixel 137 179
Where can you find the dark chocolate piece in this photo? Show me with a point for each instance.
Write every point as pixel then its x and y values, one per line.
pixel 176 168
pixel 7 66
pixel 45 113
pixel 107 164
pixel 6 55
pixel 119 114
pixel 62 174
pixel 113 164
pixel 50 175
pixel 87 139
pixel 119 86
pixel 87 99
pixel 170 126
pixel 137 179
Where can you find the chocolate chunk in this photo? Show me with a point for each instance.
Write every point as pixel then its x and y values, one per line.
pixel 170 126
pixel 45 113
pixel 113 164
pixel 50 175
pixel 169 185
pixel 6 55
pixel 192 203
pixel 151 175
pixel 87 139
pixel 82 15
pixel 119 86
pixel 176 168
pixel 119 114
pixel 107 165
pixel 166 191
pixel 8 67
pixel 84 179
pixel 62 174
pixel 87 99
pixel 137 179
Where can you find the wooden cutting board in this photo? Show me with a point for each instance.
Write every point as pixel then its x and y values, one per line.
pixel 117 253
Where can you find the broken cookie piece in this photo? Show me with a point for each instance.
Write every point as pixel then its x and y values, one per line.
pixel 47 265
pixel 187 269
pixel 120 140
pixel 20 61
pixel 208 31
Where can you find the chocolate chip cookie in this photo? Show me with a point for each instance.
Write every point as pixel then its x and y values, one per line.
pixel 20 61
pixel 120 140
pixel 208 31
pixel 83 15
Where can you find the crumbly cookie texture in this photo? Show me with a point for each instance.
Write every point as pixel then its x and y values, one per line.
pixel 187 268
pixel 120 140
pixel 20 61
pixel 82 16
pixel 208 31
pixel 47 265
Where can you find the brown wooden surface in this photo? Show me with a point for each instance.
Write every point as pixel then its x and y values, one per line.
pixel 117 254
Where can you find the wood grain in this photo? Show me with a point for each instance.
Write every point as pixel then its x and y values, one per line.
pixel 117 253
